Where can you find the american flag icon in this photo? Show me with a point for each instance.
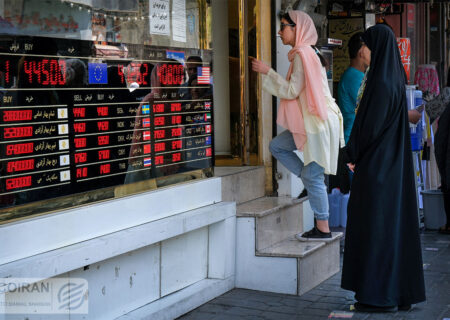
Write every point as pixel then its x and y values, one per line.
pixel 146 122
pixel 203 75
pixel 146 135
pixel 147 162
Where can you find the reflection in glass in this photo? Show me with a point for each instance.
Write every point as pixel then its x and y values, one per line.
pixel 94 105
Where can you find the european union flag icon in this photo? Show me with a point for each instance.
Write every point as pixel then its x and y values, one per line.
pixel 98 73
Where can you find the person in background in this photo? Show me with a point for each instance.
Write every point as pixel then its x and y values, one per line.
pixel 439 108
pixel 309 113
pixel 382 255
pixel 350 82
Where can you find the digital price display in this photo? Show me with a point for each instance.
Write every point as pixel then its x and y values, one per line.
pixel 69 122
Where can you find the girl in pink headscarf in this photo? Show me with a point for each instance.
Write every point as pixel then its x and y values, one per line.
pixel 309 113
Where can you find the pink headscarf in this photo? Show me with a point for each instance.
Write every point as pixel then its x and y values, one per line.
pixel 290 112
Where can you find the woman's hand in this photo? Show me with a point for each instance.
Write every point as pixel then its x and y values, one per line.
pixel 260 66
pixel 351 166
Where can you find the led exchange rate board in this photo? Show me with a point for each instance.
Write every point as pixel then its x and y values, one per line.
pixel 74 118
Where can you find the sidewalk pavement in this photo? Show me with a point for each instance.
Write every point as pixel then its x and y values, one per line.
pixel 329 301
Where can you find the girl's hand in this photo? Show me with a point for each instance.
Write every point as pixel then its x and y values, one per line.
pixel 260 66
pixel 351 166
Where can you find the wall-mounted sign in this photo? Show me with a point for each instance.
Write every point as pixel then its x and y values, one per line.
pixel 404 45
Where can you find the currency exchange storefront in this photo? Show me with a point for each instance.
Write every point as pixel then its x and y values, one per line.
pixel 106 149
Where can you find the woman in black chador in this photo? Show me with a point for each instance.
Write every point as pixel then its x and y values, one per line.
pixel 382 257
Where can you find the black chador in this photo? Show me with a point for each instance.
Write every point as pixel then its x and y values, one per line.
pixel 382 257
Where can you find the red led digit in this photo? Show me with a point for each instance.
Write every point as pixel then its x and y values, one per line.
pixel 137 67
pixel 20 148
pixel 79 112
pixel 105 168
pixel 133 73
pixel 145 74
pixel 170 74
pixel 28 67
pixel 79 127
pixel 82 172
pixel 159 160
pixel 160 134
pixel 161 71
pixel 176 119
pixel 44 71
pixel 102 111
pixel 19 115
pixel 21 165
pixel 176 157
pixel 17 132
pixel 181 74
pixel 80 157
pixel 19 182
pixel 80 142
pixel 175 107
pixel 120 73
pixel 103 154
pixel 159 121
pixel 176 132
pixel 103 125
pixel 62 72
pixel 54 70
pixel 102 140
pixel 160 147
pixel 158 108
pixel 176 144
pixel 7 71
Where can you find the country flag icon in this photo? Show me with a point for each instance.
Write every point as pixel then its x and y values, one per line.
pixel 208 140
pixel 146 135
pixel 146 109
pixel 203 75
pixel 64 175
pixel 207 105
pixel 98 73
pixel 208 152
pixel 147 148
pixel 147 162
pixel 63 128
pixel 64 160
pixel 207 116
pixel 64 144
pixel 146 122
pixel 208 128
pixel 62 113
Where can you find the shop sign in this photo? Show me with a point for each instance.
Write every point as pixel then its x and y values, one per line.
pixel 404 45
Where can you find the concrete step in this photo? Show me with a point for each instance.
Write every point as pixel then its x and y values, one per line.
pixel 277 218
pixel 317 260
pixel 241 184
pixel 268 256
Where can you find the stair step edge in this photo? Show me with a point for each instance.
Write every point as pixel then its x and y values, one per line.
pixel 292 248
pixel 264 206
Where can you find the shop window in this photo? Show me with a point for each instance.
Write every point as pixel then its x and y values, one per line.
pixel 100 99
